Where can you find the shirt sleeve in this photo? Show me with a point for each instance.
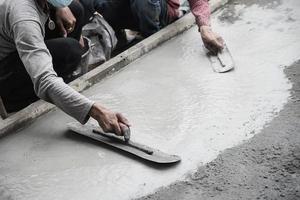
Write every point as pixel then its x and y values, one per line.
pixel 201 11
pixel 48 86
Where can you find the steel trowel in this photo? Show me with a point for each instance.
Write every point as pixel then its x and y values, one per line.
pixel 124 143
pixel 222 61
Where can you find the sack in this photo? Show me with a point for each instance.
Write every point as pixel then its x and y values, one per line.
pixel 103 40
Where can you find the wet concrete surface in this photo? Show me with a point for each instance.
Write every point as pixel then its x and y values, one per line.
pixel 265 167
pixel 176 103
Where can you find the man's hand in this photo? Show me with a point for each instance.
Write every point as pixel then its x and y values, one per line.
pixel 65 20
pixel 108 120
pixel 212 41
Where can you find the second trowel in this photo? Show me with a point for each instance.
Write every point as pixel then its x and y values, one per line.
pixel 222 61
pixel 124 144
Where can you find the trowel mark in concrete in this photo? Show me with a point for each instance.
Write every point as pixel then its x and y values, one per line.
pixel 175 102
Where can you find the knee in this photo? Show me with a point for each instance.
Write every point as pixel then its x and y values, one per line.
pixel 66 55
pixel 147 13
pixel 72 57
pixel 146 8
pixel 73 50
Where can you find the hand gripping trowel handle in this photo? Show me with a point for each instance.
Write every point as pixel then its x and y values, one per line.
pixel 126 132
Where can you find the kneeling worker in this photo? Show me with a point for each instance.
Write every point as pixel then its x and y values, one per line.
pixel 31 66
pixel 149 16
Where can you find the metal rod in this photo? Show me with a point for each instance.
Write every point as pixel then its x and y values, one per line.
pixel 3 112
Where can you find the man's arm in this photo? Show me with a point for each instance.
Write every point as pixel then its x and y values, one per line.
pixel 51 88
pixel 38 63
pixel 201 11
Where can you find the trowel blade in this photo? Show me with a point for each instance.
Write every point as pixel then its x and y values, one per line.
pixel 223 61
pixel 139 150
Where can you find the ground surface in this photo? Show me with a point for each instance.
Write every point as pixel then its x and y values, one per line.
pixel 176 103
pixel 266 167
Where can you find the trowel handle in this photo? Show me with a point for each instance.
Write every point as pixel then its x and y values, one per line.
pixel 126 131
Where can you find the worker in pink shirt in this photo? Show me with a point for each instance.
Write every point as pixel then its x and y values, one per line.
pixel 149 16
pixel 201 11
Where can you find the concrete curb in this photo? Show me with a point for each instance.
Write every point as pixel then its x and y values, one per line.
pixel 37 109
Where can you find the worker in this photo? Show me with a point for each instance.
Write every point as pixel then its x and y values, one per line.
pixel 149 16
pixel 32 66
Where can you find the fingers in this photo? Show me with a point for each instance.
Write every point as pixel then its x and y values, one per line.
pixel 70 21
pixel 110 123
pixel 122 119
pixel 70 29
pixel 214 45
pixel 211 48
pixel 109 120
pixel 117 128
pixel 221 41
pixel 111 126
pixel 212 41
pixel 125 131
pixel 119 124
pixel 218 42
pixel 62 28
pixel 123 126
pixel 70 25
pixel 66 20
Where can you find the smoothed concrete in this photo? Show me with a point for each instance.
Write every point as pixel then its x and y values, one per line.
pixel 266 167
pixel 174 101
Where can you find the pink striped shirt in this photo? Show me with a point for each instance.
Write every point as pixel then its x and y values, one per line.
pixel 200 9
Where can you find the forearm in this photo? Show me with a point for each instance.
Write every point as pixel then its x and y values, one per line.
pixel 201 11
pixel 54 90
pixel 47 85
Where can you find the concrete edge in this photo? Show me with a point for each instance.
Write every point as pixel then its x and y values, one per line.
pixel 37 109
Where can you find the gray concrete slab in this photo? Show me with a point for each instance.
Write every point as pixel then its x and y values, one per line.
pixel 175 103
pixel 267 166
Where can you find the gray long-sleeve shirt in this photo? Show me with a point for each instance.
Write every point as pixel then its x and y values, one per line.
pixel 22 25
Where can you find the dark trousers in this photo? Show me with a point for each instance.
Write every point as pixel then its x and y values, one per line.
pixel 16 88
pixel 145 16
